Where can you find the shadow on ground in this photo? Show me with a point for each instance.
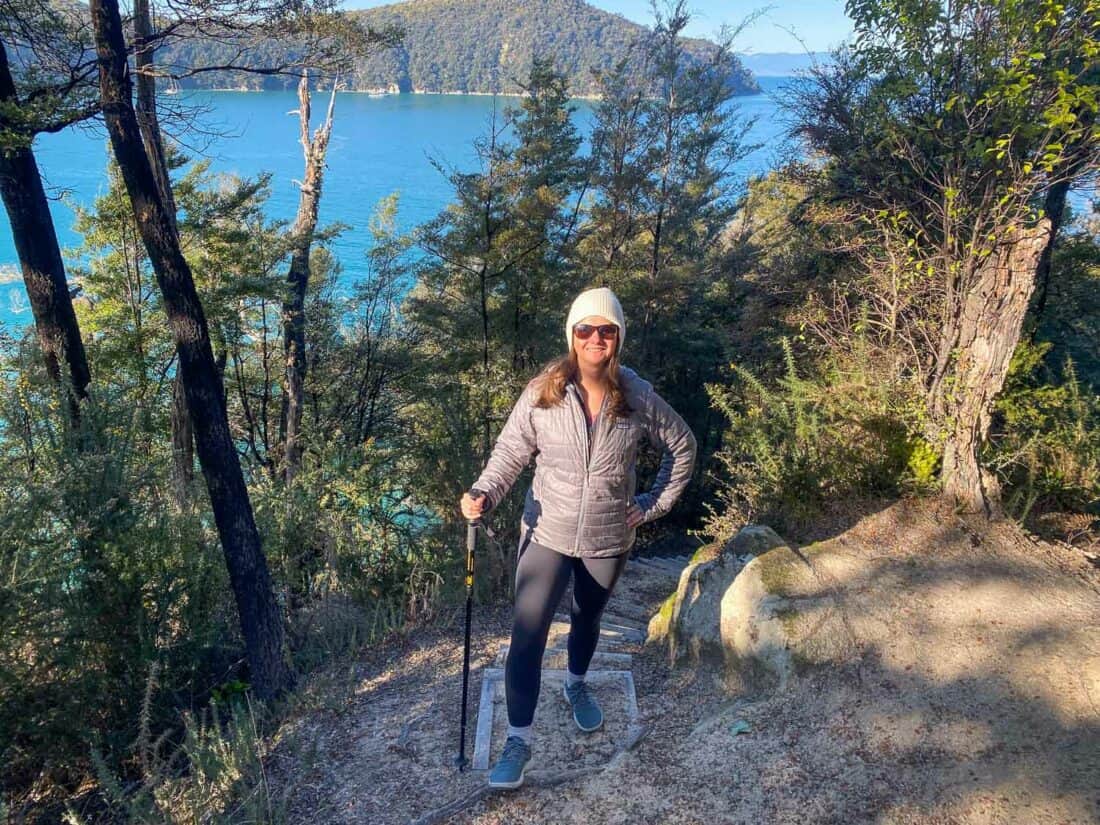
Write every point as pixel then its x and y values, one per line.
pixel 968 692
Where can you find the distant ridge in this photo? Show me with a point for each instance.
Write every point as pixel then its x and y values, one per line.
pixel 781 64
pixel 472 46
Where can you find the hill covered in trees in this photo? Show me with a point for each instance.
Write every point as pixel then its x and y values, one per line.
pixel 470 46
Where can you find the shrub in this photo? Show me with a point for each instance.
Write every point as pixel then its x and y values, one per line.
pixel 806 441
pixel 104 579
pixel 215 774
pixel 1045 445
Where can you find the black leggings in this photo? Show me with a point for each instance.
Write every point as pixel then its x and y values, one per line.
pixel 541 577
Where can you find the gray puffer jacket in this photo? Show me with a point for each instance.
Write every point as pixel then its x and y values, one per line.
pixel 578 498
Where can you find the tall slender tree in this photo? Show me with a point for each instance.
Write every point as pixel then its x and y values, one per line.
pixel 145 45
pixel 496 259
pixel 56 93
pixel 545 194
pixel 667 135
pixel 620 168
pixel 294 319
pixel 686 197
pixel 261 621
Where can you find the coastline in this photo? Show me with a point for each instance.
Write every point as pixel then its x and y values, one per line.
pixel 385 93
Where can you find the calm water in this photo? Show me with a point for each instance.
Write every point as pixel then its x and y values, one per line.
pixel 379 145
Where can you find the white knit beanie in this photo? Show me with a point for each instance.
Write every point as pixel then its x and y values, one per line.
pixel 600 301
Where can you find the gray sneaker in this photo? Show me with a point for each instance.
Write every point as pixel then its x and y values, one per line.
pixel 586 710
pixel 508 771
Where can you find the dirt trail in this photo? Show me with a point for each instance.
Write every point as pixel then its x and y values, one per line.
pixel 976 699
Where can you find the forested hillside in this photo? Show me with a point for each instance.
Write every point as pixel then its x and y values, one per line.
pixel 480 46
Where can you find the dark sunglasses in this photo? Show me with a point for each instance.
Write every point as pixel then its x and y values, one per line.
pixel 584 331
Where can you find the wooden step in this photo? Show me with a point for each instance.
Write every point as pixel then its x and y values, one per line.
pixel 614 619
pixel 627 633
pixel 555 659
pixel 631 614
pixel 492 686
pixel 669 563
pixel 609 639
pixel 622 616
pixel 653 566
pixel 646 566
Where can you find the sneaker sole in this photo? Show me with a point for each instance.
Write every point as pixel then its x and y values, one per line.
pixel 507 786
pixel 565 693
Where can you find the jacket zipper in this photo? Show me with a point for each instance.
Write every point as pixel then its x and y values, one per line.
pixel 588 451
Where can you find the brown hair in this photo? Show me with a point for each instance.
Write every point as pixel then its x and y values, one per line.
pixel 559 372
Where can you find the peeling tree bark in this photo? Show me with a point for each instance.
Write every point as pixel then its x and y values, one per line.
pixel 261 623
pixel 987 329
pixel 40 260
pixel 294 317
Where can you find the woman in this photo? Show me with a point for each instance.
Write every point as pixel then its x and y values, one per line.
pixel 584 416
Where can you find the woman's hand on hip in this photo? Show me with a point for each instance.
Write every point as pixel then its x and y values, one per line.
pixel 634 515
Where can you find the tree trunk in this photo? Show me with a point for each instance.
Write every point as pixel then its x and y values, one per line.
pixel 294 317
pixel 261 623
pixel 989 322
pixel 1054 208
pixel 183 444
pixel 182 433
pixel 146 108
pixel 40 260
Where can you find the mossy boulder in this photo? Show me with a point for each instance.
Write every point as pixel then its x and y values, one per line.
pixel 690 616
pixel 753 540
pixel 754 607
pixel 659 623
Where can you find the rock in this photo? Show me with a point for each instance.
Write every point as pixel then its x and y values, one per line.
pixel 659 623
pixel 753 623
pixel 691 615
pixel 748 608
pixel 753 540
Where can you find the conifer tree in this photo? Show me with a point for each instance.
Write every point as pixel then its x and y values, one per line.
pixel 489 297
pixel 666 137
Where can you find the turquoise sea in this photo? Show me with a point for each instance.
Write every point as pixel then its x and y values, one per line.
pixel 379 145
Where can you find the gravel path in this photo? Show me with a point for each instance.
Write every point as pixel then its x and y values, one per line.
pixel 976 700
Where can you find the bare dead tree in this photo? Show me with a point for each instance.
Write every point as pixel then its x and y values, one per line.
pixel 294 319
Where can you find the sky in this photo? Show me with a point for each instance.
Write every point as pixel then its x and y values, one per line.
pixel 818 24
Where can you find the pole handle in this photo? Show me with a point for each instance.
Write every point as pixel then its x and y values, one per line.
pixel 471 539
pixel 475 494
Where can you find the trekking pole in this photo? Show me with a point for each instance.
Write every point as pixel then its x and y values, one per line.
pixel 471 544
